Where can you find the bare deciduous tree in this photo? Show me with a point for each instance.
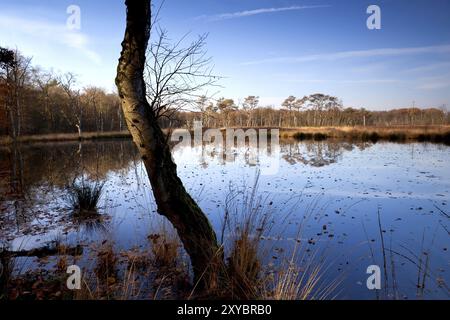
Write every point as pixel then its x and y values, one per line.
pixel 67 82
pixel 44 82
pixel 175 74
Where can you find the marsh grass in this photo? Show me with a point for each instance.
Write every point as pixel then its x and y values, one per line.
pixel 302 272
pixel 300 277
pixel 52 137
pixel 165 249
pixel 106 267
pixel 84 196
pixel 109 278
pixel 246 220
pixel 159 271
pixel 436 134
pixel 248 223
pixel 155 271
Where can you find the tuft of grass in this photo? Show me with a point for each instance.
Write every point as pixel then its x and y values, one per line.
pixel 246 220
pixel 300 277
pixel 249 220
pixel 244 267
pixel 84 196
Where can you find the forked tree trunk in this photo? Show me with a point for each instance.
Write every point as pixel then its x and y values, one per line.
pixel 193 227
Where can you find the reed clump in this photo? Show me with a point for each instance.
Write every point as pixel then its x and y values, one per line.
pixel 84 196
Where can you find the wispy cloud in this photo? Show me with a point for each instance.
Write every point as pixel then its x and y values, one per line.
pixel 429 67
pixel 435 83
pixel 343 82
pixel 354 54
pixel 248 13
pixel 52 33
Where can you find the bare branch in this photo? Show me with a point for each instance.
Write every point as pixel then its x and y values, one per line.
pixel 176 76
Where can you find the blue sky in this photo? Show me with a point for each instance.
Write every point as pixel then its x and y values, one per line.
pixel 269 48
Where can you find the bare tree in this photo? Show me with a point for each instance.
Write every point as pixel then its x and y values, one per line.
pixel 175 74
pixel 20 74
pixel 44 81
pixel 7 63
pixel 141 111
pixel 16 75
pixel 67 82
pixel 95 99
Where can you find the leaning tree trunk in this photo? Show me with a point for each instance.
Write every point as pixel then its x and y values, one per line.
pixel 172 200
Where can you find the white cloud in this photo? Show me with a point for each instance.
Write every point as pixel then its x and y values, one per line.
pixel 429 67
pixel 248 13
pixel 354 54
pixel 50 32
pixel 435 84
pixel 293 78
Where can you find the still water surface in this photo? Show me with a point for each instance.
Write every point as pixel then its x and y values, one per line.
pixel 350 205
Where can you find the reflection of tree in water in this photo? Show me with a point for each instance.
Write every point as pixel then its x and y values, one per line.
pixel 318 153
pixel 312 153
pixel 249 154
pixel 31 174
pixel 57 165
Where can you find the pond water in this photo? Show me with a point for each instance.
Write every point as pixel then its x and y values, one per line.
pixel 349 205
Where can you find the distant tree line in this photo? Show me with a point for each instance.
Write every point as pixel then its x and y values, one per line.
pixel 315 110
pixel 37 101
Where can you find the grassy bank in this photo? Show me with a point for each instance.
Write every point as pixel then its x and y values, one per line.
pixel 67 137
pixel 436 134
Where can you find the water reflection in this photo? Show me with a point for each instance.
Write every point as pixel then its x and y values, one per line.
pixel 49 168
pixel 318 153
pixel 352 182
pixel 312 153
